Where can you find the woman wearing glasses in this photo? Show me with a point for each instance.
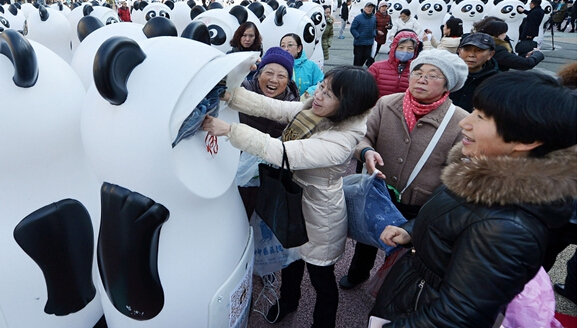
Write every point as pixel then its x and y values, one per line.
pixel 307 73
pixel 319 139
pixel 399 130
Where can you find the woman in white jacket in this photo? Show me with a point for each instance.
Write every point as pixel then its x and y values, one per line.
pixel 319 140
pixel 405 21
pixel 452 36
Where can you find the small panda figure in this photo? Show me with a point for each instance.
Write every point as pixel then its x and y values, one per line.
pixel 288 20
pixel 65 10
pixel 431 15
pixel 547 6
pixel 14 16
pixel 469 11
pixel 222 24
pixel 50 205
pixel 356 8
pixel 395 7
pixel 145 11
pixel 50 28
pixel 181 13
pixel 506 10
pixel 105 15
pixel 317 15
pixel 187 209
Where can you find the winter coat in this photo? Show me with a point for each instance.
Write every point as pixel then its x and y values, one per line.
pixel 479 239
pixel 532 23
pixel 319 163
pixel 448 43
pixel 344 12
pixel 411 24
pixel 463 97
pixel 508 60
pixel 327 37
pixel 391 75
pixel 388 135
pixel 124 14
pixel 559 12
pixel 363 29
pixel 383 25
pixel 306 74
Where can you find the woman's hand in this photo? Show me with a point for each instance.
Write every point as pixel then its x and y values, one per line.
pixel 393 236
pixel 380 32
pixel 216 127
pixel 424 36
pixel 226 96
pixel 371 158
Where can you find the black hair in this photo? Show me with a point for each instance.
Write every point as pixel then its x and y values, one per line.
pixel 536 3
pixel 356 90
pixel 406 12
pixel 456 26
pixel 481 24
pixel 495 28
pixel 529 107
pixel 236 40
pixel 325 7
pixel 297 39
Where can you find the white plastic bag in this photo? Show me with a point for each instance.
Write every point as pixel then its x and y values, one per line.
pixel 369 209
pixel 248 170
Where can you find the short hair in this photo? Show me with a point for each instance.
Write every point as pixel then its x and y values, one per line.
pixel 297 39
pixel 356 90
pixel 236 40
pixel 325 7
pixel 536 3
pixel 456 26
pixel 567 75
pixel 495 28
pixel 528 107
pixel 406 12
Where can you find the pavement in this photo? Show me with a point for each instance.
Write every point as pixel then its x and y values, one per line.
pixel 355 304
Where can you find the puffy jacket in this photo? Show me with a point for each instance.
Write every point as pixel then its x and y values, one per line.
pixel 306 74
pixel 411 24
pixel 391 75
pixel 448 43
pixel 383 24
pixel 478 240
pixel 508 60
pixel 363 29
pixel 463 97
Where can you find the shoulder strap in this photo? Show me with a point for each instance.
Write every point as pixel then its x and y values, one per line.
pixel 430 147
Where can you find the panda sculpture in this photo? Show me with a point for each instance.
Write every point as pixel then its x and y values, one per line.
pixel 105 15
pixel 431 15
pixel 14 16
pixel 469 11
pixel 288 20
pixel 49 27
pixel 50 196
pixel 317 15
pixel 547 6
pixel 145 11
pixel 65 10
pixel 506 10
pixel 175 247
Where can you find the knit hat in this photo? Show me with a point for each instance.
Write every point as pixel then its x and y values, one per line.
pixel 369 3
pixel 277 55
pixel 381 4
pixel 454 69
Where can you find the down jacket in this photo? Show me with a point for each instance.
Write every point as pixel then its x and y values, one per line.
pixel 478 240
pixel 391 75
pixel 508 60
pixel 319 163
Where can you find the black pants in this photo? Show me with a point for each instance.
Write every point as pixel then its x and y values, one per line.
pixel 570 282
pixel 361 54
pixel 323 280
pixel 558 240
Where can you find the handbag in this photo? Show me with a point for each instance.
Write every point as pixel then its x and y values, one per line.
pixel 525 46
pixel 279 203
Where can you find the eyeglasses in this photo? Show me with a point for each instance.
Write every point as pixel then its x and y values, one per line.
pixel 325 94
pixel 429 77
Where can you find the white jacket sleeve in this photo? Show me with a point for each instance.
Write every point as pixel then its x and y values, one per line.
pixel 254 104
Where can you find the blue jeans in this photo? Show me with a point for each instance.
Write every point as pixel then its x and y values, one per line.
pixel 343 23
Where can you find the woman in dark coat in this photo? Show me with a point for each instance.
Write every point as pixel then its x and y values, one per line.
pixel 482 235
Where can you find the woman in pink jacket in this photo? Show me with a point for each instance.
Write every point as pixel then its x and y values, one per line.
pixel 392 75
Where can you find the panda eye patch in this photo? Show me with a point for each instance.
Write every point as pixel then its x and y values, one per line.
pixel 165 14
pixel 466 8
pixel 425 7
pixel 150 14
pixel 438 7
pixel 507 9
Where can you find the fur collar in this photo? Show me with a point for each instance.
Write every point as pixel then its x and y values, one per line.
pixel 505 44
pixel 326 124
pixel 512 180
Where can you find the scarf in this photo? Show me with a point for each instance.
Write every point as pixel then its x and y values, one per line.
pixel 414 110
pixel 301 126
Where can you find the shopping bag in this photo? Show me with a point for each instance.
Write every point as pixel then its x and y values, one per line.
pixel 279 203
pixel 374 283
pixel 369 209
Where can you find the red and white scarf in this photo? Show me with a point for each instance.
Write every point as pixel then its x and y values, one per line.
pixel 414 110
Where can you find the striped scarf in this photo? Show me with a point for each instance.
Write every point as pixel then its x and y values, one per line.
pixel 301 126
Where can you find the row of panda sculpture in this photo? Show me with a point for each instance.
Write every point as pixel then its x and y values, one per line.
pixel 103 221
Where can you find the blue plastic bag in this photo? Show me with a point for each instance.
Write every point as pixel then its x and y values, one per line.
pixel 369 209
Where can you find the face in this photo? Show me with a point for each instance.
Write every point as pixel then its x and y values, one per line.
pixel 383 9
pixel 289 44
pixel 124 4
pixel 475 57
pixel 502 36
pixel 446 30
pixel 427 91
pixel 481 137
pixel 248 38
pixel 368 9
pixel 327 11
pixel 325 103
pixel 406 46
pixel 404 17
pixel 273 80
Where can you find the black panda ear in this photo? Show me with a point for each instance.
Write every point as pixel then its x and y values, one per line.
pixel 142 5
pixel 86 10
pixel 447 2
pixel 197 31
pixel 13 9
pixel 87 25
pixel 457 1
pixel 496 2
pixel 196 11
pixel 59 4
pixel 257 9
pixel 160 26
pixel 279 13
pixel 215 5
pixel 191 3
pixel 273 4
pixel 170 4
pixel 1 9
pixel 297 4
pixel 240 13
pixel 43 13
pixel 23 57
pixel 115 59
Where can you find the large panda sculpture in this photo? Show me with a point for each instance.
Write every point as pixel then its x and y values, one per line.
pixel 317 15
pixel 469 11
pixel 547 6
pixel 105 15
pixel 175 247
pixel 431 15
pixel 49 195
pixel 49 27
pixel 288 20
pixel 506 10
